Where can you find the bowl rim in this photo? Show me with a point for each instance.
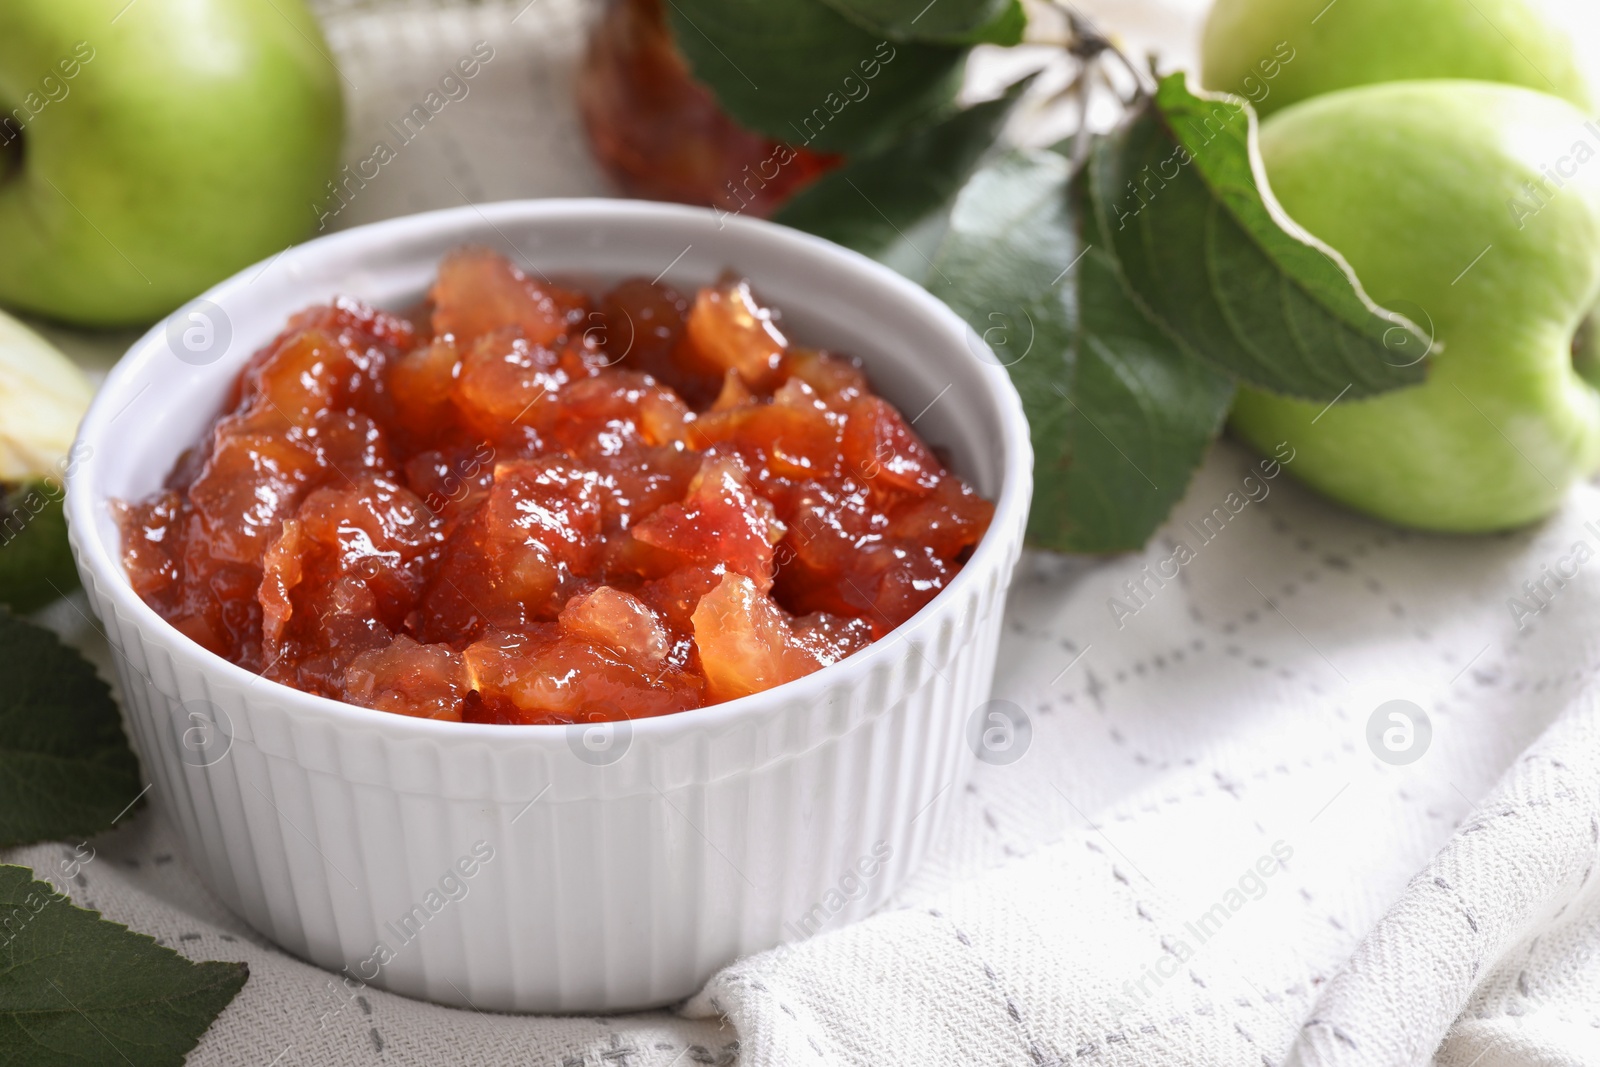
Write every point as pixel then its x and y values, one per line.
pixel 105 565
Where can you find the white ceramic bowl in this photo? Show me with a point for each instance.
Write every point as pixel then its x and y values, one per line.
pixel 550 868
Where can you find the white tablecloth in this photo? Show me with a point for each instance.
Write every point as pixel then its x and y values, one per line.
pixel 1207 854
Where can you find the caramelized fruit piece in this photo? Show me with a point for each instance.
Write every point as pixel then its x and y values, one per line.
pixel 545 677
pixel 793 435
pixel 906 578
pixel 837 379
pixel 949 521
pixel 521 556
pixel 480 291
pixel 153 532
pixel 617 621
pixel 316 618
pixel 643 322
pixel 545 513
pixel 675 595
pixel 746 642
pixel 343 574
pixel 885 583
pixel 216 603
pixel 606 413
pixel 452 481
pixel 830 638
pixel 359 328
pixel 880 449
pixel 368 338
pixel 379 530
pixel 721 520
pixel 249 485
pixel 347 443
pixel 420 384
pixel 829 526
pixel 406 678
pixel 309 374
pixel 733 395
pixel 506 380
pixel 253 481
pixel 637 479
pixel 729 330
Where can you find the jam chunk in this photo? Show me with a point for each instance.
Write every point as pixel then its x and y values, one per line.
pixel 407 678
pixel 479 292
pixel 610 618
pixel 340 578
pixel 747 643
pixel 521 556
pixel 550 677
pixel 729 330
pixel 720 520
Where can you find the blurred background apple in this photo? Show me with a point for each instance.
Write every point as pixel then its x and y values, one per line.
pixel 150 149
pixel 1359 42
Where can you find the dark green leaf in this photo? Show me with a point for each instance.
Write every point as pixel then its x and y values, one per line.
pixel 76 989
pixel 891 203
pixel 943 21
pixel 1119 415
pixel 65 768
pixel 1202 244
pixel 35 561
pixel 799 71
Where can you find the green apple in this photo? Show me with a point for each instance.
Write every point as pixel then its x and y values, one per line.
pixel 1279 52
pixel 154 147
pixel 1474 209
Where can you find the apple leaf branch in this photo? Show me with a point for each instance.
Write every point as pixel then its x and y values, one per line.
pixel 65 769
pixel 1126 281
pixel 80 989
pixel 77 988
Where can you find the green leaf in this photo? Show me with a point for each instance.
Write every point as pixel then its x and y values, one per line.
pixel 801 72
pixel 1119 415
pixel 65 769
pixel 1181 194
pixel 892 203
pixel 943 21
pixel 76 989
pixel 35 560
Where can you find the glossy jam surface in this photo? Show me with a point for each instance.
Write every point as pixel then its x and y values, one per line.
pixel 519 504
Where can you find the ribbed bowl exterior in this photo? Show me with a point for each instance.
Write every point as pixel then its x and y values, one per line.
pixel 559 869
pixel 601 895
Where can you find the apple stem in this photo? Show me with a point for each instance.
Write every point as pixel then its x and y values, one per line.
pixel 1085 43
pixel 1088 44
pixel 1081 142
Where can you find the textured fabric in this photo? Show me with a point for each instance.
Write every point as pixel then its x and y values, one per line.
pixel 1205 854
pixel 1120 915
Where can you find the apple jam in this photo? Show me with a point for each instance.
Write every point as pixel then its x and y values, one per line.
pixel 518 504
pixel 662 135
